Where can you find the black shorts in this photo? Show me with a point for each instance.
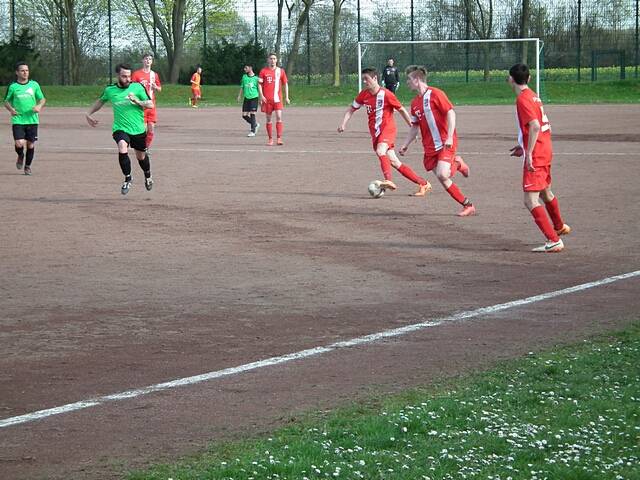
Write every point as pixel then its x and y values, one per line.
pixel 25 132
pixel 250 105
pixel 137 142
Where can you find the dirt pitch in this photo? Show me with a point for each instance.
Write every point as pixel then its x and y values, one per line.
pixel 243 252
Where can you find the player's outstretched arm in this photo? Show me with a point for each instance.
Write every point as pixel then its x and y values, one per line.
pixel 411 136
pixel 347 116
pixel 405 115
pixel 94 108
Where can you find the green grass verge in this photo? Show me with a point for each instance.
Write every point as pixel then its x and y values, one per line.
pixel 571 414
pixel 474 93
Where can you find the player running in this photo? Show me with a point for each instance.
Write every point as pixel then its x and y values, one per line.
pixel 128 101
pixel 534 142
pixel 272 81
pixel 24 101
pixel 433 116
pixel 249 92
pixel 380 104
pixel 195 87
pixel 150 80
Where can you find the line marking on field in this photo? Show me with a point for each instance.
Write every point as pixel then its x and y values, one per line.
pixel 286 151
pixel 374 337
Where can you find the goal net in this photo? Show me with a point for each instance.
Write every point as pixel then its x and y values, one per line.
pixel 457 61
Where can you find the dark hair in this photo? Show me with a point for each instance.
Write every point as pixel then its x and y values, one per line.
pixel 371 71
pixel 147 54
pixel 19 64
pixel 418 71
pixel 272 54
pixel 122 66
pixel 248 65
pixel 520 73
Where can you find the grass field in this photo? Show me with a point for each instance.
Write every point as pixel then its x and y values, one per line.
pixel 476 93
pixel 571 413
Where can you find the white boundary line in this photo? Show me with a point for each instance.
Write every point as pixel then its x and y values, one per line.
pixel 309 152
pixel 396 332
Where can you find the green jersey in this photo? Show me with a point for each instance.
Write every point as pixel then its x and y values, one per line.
pixel 249 86
pixel 127 116
pixel 23 97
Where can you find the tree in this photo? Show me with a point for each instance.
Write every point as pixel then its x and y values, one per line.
pixel 480 14
pixel 335 40
pixel 176 22
pixel 295 47
pixel 13 51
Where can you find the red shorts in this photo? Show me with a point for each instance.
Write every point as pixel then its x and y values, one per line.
pixel 269 106
pixel 443 155
pixel 386 136
pixel 150 115
pixel 196 92
pixel 538 180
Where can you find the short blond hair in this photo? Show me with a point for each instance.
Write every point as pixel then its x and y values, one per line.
pixel 417 71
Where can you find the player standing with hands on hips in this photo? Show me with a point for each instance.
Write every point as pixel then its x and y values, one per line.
pixel 24 101
pixel 272 81
pixel 432 114
pixel 150 80
pixel 128 101
pixel 249 95
pixel 380 104
pixel 534 142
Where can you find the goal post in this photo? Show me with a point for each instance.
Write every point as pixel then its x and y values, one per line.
pixel 451 61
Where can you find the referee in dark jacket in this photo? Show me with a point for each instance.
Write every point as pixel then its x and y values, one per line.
pixel 390 76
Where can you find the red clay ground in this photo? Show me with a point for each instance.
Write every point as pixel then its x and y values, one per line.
pixel 244 252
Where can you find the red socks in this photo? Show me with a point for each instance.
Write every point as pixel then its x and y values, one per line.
pixel 411 175
pixel 542 220
pixel 279 128
pixel 385 165
pixel 270 130
pixel 456 194
pixel 554 212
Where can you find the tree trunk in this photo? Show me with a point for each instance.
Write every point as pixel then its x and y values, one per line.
pixel 524 29
pixel 293 54
pixel 73 43
pixel 335 38
pixel 279 29
pixel 177 24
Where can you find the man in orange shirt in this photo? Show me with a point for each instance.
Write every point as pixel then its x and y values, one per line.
pixel 150 80
pixel 534 143
pixel 195 87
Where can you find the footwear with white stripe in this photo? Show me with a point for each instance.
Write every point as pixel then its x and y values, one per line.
pixel 550 247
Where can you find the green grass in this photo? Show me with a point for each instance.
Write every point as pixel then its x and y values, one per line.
pixel 473 93
pixel 571 414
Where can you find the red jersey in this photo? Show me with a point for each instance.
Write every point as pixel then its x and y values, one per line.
pixel 147 79
pixel 272 80
pixel 529 107
pixel 380 107
pixel 429 112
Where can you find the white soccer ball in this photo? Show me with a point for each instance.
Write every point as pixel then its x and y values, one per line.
pixel 375 189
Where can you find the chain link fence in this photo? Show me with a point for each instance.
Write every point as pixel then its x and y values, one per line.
pixel 79 40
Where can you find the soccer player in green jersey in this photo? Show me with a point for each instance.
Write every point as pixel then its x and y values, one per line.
pixel 128 100
pixel 24 100
pixel 249 91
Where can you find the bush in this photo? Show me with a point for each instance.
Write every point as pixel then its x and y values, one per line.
pixel 222 63
pixel 14 51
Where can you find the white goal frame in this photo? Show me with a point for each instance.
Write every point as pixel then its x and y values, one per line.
pixel 539 46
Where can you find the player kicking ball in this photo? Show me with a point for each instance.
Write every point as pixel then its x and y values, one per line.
pixel 380 104
pixel 129 100
pixel 534 142
pixel 433 116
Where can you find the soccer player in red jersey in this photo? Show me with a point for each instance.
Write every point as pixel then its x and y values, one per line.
pixel 433 116
pixel 272 80
pixel 380 104
pixel 150 80
pixel 534 142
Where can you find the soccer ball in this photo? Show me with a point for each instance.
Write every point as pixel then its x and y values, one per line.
pixel 375 189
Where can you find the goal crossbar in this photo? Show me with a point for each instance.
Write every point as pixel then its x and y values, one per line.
pixel 539 44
